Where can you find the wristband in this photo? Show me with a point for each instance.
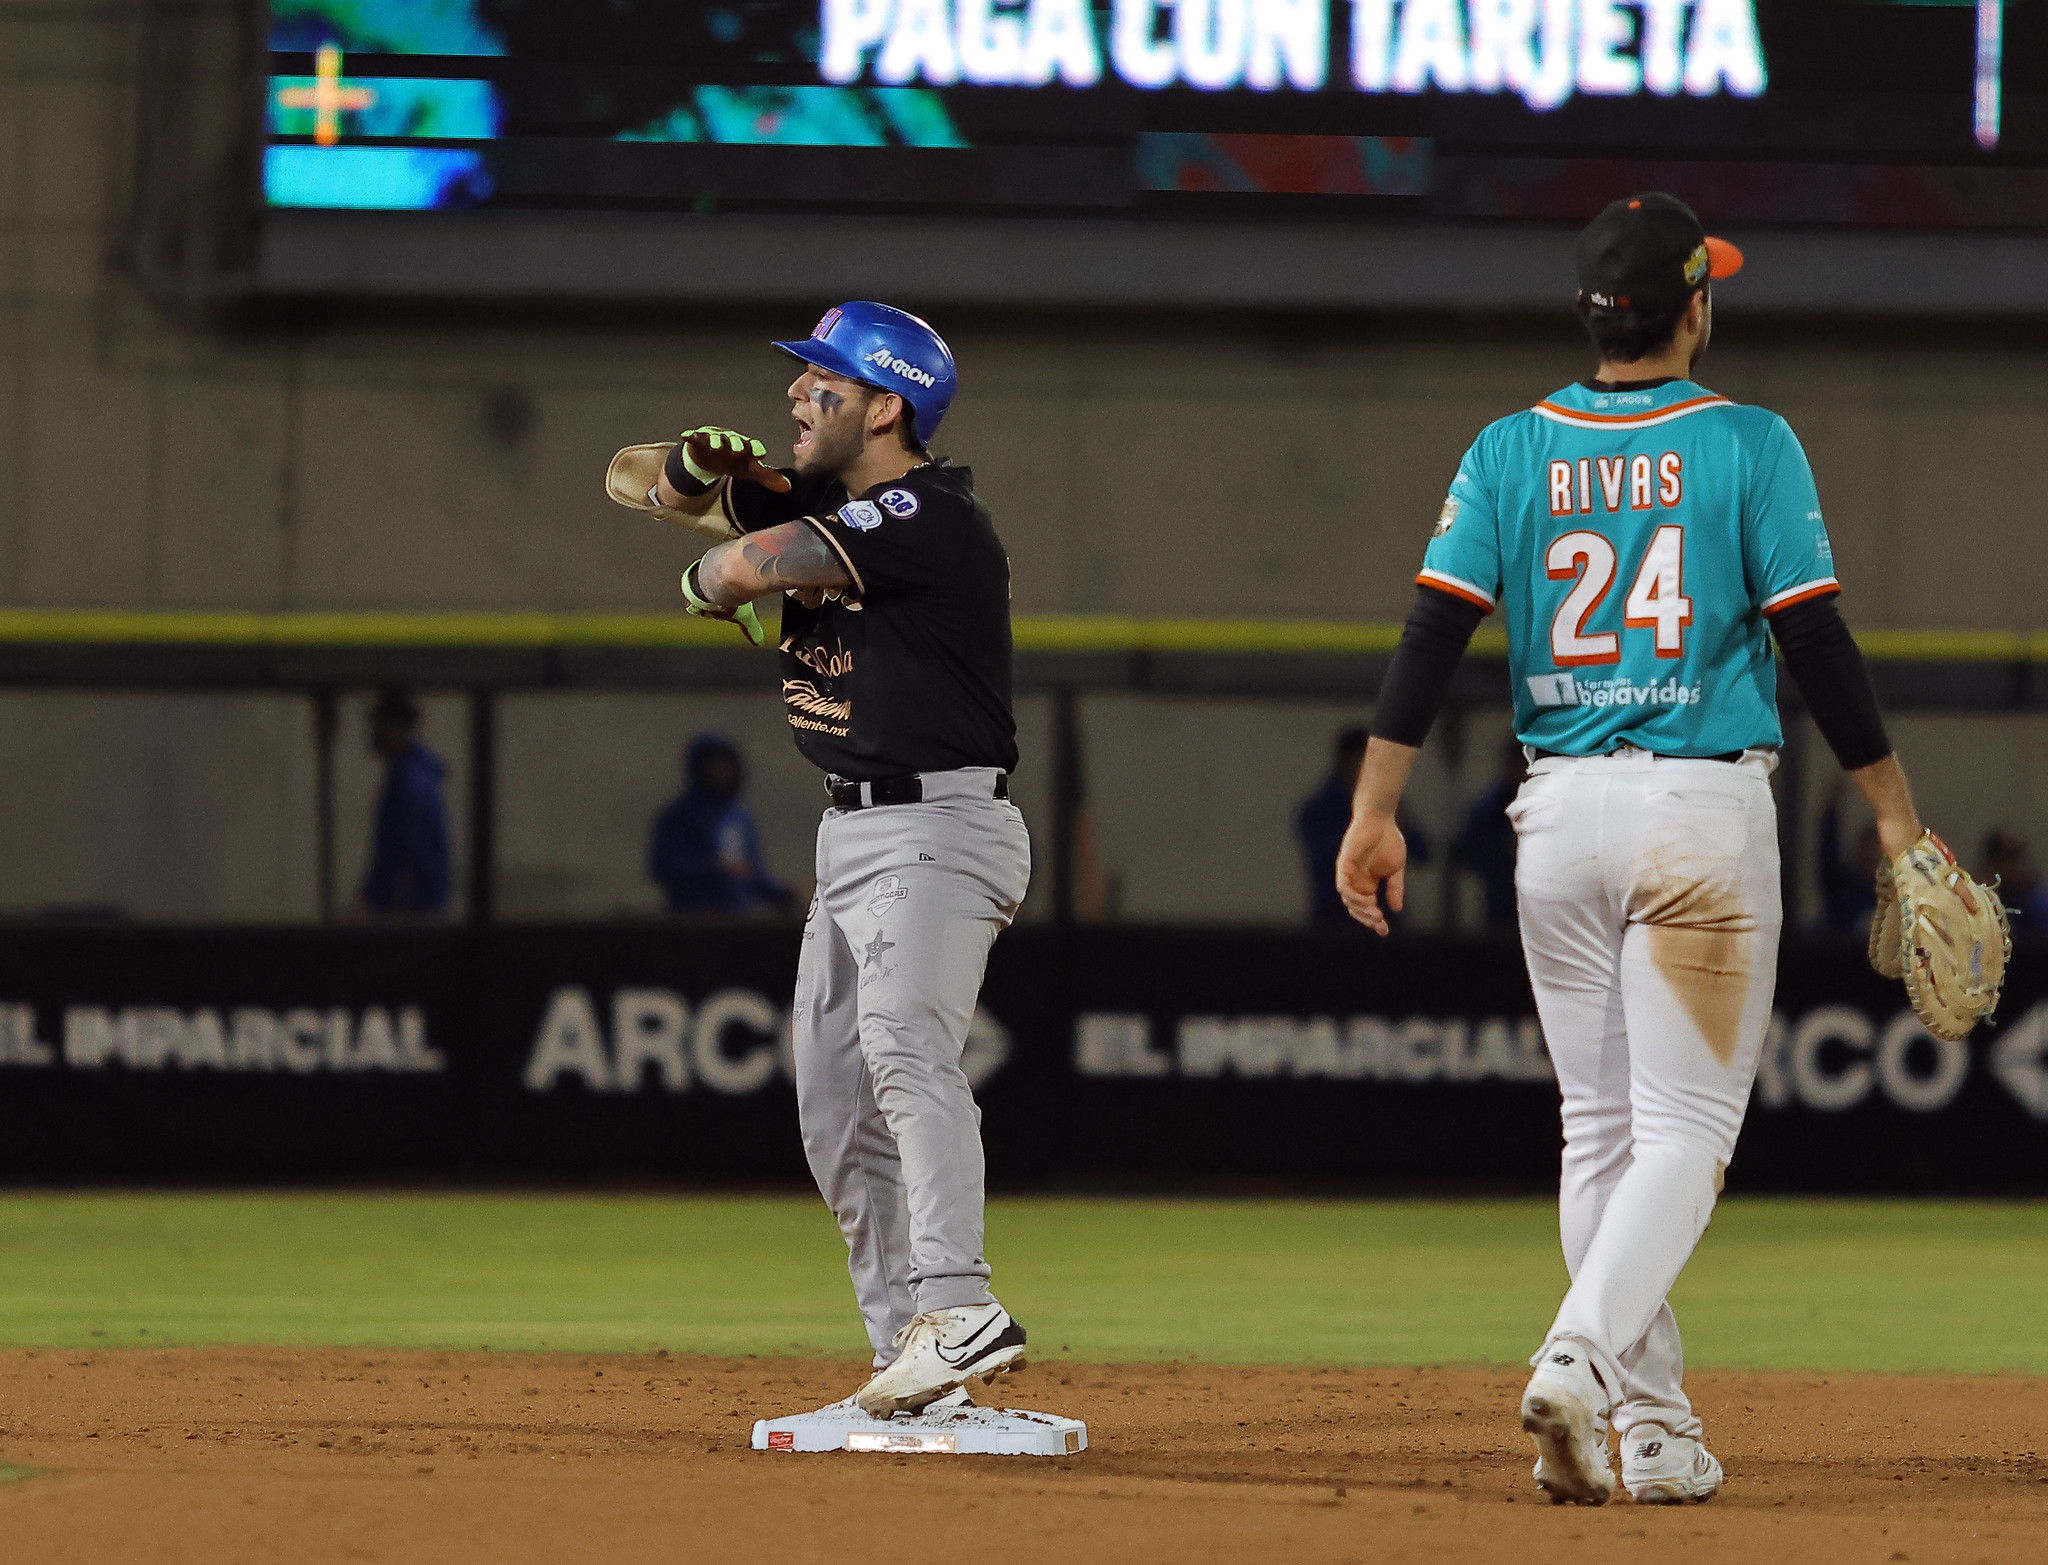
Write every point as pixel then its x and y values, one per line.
pixel 693 592
pixel 694 602
pixel 685 476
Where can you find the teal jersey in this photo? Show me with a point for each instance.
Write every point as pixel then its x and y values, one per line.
pixel 1638 541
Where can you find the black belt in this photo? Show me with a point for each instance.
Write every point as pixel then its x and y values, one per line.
pixel 906 788
pixel 1559 755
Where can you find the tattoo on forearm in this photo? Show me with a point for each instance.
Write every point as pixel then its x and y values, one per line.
pixel 792 555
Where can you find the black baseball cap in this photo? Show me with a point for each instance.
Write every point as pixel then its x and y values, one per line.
pixel 1649 252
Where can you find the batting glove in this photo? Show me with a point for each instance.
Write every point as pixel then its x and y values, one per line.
pixel 710 453
pixel 744 616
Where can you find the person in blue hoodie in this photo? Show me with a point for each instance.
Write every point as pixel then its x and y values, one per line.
pixel 1485 844
pixel 409 867
pixel 705 850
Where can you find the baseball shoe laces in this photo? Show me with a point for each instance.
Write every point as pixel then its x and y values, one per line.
pixel 940 1351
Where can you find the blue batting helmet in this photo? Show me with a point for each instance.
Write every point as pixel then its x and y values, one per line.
pixel 887 348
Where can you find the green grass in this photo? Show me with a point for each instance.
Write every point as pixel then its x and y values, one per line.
pixel 1776 1284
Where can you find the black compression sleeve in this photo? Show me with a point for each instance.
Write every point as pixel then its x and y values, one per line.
pixel 1829 666
pixel 1438 629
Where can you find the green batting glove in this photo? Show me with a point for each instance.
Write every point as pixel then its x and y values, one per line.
pixel 711 453
pixel 696 603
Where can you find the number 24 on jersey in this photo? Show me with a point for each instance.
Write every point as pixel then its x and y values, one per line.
pixel 1656 600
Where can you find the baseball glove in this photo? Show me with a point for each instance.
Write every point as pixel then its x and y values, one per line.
pixel 1942 931
pixel 711 455
pixel 629 481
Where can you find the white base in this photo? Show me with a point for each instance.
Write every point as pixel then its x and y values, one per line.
pixel 956 1429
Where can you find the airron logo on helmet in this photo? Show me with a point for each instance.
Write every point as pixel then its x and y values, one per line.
pixel 903 367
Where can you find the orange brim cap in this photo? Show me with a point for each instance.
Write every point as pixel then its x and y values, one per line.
pixel 1723 259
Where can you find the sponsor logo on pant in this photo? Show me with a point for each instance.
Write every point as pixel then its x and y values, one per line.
pixel 889 891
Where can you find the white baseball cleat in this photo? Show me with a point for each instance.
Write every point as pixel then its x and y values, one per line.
pixel 940 1351
pixel 1566 1410
pixel 1660 1468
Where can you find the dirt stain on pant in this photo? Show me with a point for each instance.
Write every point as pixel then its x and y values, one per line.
pixel 1700 940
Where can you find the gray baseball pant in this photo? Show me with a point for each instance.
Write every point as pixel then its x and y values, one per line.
pixel 910 898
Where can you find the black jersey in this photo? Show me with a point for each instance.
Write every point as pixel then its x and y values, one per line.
pixel 907 670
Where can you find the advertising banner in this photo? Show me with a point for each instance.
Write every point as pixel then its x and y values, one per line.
pixel 1167 1057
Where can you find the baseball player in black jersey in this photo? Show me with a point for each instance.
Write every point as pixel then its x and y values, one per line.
pixel 896 678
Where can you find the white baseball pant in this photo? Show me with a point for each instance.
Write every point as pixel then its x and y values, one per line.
pixel 910 898
pixel 1650 913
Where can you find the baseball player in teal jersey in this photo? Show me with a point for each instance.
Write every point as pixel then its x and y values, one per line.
pixel 1648 541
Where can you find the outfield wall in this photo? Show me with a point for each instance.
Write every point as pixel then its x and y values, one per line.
pixel 1166 1056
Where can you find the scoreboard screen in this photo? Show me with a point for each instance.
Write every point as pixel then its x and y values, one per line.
pixel 1847 112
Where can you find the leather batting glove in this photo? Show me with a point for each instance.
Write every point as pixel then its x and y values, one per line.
pixel 696 603
pixel 710 453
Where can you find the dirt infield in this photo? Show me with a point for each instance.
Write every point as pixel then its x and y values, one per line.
pixel 225 1456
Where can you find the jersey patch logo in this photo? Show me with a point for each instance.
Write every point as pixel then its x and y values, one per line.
pixel 899 503
pixel 1446 516
pixel 860 516
pixel 889 891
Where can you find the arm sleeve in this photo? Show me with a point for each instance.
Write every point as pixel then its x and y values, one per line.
pixel 1829 667
pixel 1439 628
pixel 1785 547
pixel 1463 557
